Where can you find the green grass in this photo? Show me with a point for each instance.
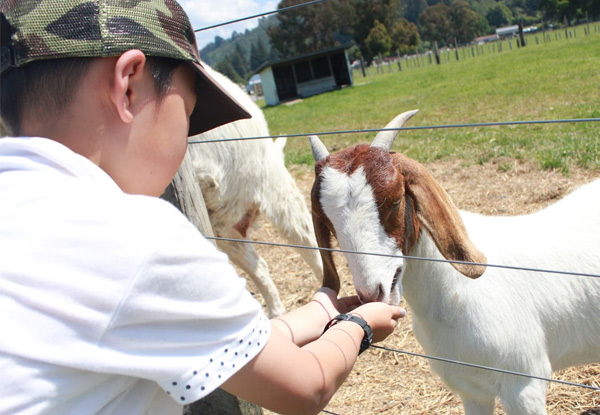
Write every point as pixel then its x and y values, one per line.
pixel 557 80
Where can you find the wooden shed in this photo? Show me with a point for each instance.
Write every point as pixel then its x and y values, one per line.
pixel 306 75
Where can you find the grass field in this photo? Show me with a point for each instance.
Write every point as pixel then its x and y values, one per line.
pixel 543 81
pixel 508 170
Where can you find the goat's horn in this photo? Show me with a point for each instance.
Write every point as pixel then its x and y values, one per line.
pixel 318 148
pixel 385 139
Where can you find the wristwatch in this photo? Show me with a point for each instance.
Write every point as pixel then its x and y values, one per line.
pixel 367 338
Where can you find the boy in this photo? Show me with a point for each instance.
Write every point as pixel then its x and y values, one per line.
pixel 111 302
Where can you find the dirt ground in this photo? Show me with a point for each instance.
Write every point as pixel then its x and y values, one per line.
pixel 385 382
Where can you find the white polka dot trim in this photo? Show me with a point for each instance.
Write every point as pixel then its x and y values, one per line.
pixel 220 366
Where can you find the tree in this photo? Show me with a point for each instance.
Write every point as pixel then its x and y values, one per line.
pixel 412 9
pixel 405 36
pixel 572 10
pixel 369 11
pixel 435 24
pixel 226 68
pixel 499 15
pixel 238 61
pixel 378 41
pixel 311 28
pixel 466 23
pixel 524 9
pixel 258 54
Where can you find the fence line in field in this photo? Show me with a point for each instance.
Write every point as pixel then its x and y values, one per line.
pixel 449 54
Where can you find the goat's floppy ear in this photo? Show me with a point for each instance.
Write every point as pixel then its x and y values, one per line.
pixel 331 279
pixel 441 219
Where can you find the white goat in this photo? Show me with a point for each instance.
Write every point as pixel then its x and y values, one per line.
pixel 241 180
pixel 375 200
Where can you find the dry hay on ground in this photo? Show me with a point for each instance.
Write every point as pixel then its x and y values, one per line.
pixel 384 382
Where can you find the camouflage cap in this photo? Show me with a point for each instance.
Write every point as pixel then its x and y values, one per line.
pixel 35 30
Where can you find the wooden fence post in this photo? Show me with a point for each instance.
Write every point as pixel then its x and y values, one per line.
pixel 185 194
pixel 456 48
pixel 362 67
pixel 399 60
pixel 521 35
pixel 436 51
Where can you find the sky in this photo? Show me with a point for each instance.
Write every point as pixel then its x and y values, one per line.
pixel 203 13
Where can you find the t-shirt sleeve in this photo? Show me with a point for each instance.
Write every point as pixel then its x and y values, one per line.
pixel 187 320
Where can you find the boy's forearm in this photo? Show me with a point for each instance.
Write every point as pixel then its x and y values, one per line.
pixel 305 324
pixel 292 380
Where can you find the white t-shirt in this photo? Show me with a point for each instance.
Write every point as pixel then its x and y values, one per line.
pixel 109 303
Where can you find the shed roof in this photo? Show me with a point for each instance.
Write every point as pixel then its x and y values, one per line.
pixel 305 56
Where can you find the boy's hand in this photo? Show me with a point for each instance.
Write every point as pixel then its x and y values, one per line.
pixel 334 305
pixel 382 318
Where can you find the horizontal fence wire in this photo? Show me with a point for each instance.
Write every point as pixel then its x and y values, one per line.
pixel 284 9
pixel 416 258
pixel 425 127
pixel 324 133
pixel 493 369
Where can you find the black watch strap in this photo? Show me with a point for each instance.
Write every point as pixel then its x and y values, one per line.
pixel 367 338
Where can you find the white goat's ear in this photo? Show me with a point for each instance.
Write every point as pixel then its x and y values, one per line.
pixel 281 142
pixel 318 148
pixel 385 139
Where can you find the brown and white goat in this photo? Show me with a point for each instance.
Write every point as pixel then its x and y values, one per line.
pixel 378 201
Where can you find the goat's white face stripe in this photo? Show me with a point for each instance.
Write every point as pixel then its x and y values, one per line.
pixel 348 202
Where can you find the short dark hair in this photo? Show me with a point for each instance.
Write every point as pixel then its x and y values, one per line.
pixel 49 85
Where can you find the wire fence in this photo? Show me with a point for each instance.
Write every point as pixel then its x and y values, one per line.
pixel 415 258
pixel 522 268
pixel 471 125
pixel 429 127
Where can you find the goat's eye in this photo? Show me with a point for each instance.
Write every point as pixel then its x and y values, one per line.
pixel 396 203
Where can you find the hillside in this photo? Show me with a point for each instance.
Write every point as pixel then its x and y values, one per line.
pixel 221 51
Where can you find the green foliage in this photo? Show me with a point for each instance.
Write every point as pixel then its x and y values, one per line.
pixel 405 36
pixel 435 24
pixel 466 23
pixel 571 10
pixel 444 24
pixel 220 51
pixel 500 15
pixel 227 69
pixel 413 8
pixel 378 41
pixel 309 29
pixel 258 54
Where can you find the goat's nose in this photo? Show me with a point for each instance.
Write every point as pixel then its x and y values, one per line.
pixel 372 296
pixel 380 292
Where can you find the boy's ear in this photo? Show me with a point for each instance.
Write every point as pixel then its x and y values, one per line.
pixel 128 72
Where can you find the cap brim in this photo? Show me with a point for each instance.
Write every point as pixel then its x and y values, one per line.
pixel 214 105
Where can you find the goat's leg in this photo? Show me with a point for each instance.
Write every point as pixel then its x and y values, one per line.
pixel 290 216
pixel 245 256
pixel 524 397
pixel 481 406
